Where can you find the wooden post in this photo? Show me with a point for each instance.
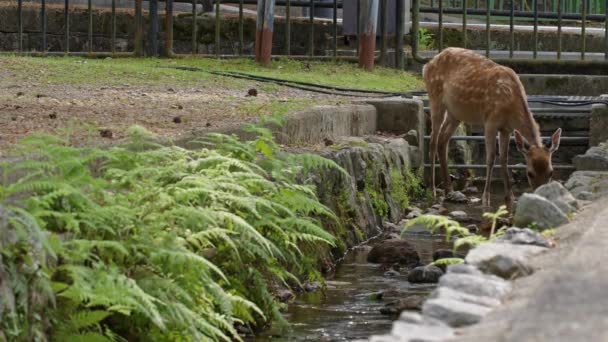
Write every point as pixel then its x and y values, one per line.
pixel 399 33
pixel 153 29
pixel 367 37
pixel 264 30
pixel 139 50
pixel 383 31
pixel 169 28
pixel 194 28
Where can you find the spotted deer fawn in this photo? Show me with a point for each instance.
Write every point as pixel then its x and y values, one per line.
pixel 466 87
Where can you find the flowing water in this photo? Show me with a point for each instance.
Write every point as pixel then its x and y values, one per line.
pixel 347 310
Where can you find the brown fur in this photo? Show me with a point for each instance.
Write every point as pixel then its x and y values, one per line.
pixel 466 87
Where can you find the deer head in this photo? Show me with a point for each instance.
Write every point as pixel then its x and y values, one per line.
pixel 538 158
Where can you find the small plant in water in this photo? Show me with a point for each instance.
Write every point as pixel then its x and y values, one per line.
pixel 502 211
pixel 451 227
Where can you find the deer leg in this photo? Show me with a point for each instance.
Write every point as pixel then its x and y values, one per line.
pixel 490 135
pixel 447 129
pixel 437 117
pixel 505 136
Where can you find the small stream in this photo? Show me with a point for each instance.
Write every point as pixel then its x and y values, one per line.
pixel 347 310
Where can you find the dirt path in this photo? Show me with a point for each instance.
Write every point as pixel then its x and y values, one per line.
pixel 81 112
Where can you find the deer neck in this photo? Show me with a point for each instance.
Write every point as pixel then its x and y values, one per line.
pixel 529 129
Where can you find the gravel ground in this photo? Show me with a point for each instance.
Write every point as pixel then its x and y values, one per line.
pixel 81 112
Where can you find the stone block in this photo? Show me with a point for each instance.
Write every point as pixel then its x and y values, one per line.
pixel 504 260
pixel 535 209
pixel 598 127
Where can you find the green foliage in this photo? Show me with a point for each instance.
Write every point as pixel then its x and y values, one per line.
pixel 405 186
pixel 145 242
pixel 502 211
pixel 549 233
pixel 426 40
pixel 447 262
pixel 376 198
pixel 435 223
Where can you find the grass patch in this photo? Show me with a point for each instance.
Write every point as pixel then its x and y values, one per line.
pixel 83 71
pixel 277 108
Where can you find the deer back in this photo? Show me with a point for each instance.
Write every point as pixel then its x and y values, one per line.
pixel 475 89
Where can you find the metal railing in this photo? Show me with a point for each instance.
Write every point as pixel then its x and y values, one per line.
pixel 594 6
pixel 490 15
pixel 534 12
pixel 153 29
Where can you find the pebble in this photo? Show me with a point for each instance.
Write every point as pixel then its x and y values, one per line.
pixel 456 197
pixel 459 215
pixel 391 273
pixel 471 190
pixel 475 200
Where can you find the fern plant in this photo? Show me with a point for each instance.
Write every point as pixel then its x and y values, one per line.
pixel 451 228
pixel 148 241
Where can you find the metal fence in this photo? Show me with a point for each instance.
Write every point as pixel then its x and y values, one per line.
pixel 554 13
pixel 153 32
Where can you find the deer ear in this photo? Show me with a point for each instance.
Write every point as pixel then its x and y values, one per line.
pixel 521 143
pixel 555 138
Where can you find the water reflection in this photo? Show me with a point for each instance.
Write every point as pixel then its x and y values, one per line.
pixel 346 311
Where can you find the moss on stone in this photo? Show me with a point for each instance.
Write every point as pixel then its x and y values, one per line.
pixel 555 82
pixel 399 189
pixel 377 198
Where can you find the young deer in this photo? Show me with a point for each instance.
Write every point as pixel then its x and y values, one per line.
pixel 464 86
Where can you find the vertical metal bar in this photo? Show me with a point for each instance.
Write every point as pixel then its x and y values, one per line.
pixel 358 24
pixel 194 27
pixel 66 16
pixel 476 4
pixel 153 29
pixel 113 39
pixel 90 30
pixel 606 30
pixel 138 44
pixel 335 29
pixel 583 29
pixel 399 33
pixel 464 24
pixel 169 28
pixel 511 29
pixel 440 25
pixel 383 31
pixel 288 27
pixel 264 31
pixel 432 3
pixel 311 43
pixel 488 28
pixel 217 28
pixel 560 6
pixel 367 41
pixel 415 26
pixel 241 28
pixel 535 9
pixel 43 18
pixel 20 24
